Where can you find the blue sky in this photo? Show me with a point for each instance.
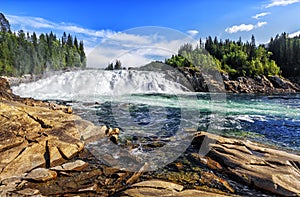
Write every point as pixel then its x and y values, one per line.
pixel 97 22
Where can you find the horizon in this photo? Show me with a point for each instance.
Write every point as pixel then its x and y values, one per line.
pixel 154 30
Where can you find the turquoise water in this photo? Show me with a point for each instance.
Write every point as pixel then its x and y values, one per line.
pixel 146 104
pixel 273 120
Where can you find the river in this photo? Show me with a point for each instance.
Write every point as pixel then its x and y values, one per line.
pixel 146 104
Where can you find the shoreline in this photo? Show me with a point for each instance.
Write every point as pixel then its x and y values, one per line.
pixel 57 139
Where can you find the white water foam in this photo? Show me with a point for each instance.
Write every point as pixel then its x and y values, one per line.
pixel 88 84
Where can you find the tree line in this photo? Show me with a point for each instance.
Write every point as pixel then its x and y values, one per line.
pixel 23 53
pixel 286 53
pixel 233 57
pixel 236 58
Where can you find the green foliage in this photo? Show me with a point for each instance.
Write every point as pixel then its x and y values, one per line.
pixel 242 59
pixel 21 54
pixel 116 66
pixel 286 53
pixel 194 59
pixel 234 58
pixel 28 54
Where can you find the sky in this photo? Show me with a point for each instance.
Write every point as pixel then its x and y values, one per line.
pixel 140 31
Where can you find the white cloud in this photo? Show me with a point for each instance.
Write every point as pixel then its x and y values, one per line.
pixel 294 34
pixel 260 24
pixel 274 3
pixel 133 47
pixel 192 32
pixel 36 23
pixel 237 28
pixel 29 21
pixel 244 27
pixel 260 15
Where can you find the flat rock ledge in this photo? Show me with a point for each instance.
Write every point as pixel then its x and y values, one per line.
pixel 35 134
pixel 265 168
pixel 163 188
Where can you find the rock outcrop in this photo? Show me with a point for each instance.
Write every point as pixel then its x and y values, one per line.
pixel 14 81
pixel 221 82
pixel 36 134
pixel 260 84
pixel 253 164
pixel 163 188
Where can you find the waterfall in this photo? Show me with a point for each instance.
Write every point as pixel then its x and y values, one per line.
pixel 78 85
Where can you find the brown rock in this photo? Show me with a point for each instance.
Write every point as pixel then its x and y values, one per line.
pixel 92 133
pixel 113 134
pixel 163 188
pixel 41 175
pixel 159 184
pixel 266 168
pixel 260 84
pixel 92 188
pixel 32 157
pixel 207 161
pixel 29 192
pixel 36 134
pixel 77 165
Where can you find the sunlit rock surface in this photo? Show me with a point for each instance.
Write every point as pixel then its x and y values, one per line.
pixel 265 168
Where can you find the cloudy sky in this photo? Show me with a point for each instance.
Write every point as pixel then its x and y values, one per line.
pixel 139 31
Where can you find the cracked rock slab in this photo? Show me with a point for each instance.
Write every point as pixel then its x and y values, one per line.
pixel 266 168
pixel 34 134
pixel 41 175
pixel 163 188
pixel 77 165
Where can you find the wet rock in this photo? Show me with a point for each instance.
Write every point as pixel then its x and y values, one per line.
pixel 93 133
pixel 41 175
pixel 113 134
pixel 137 174
pixel 212 164
pixel 271 170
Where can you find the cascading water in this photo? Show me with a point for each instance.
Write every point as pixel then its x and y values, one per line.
pixel 88 84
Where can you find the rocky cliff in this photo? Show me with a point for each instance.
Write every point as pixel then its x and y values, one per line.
pixel 259 84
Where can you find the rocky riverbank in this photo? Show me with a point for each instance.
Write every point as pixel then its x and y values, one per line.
pixel 27 78
pixel 14 81
pixel 257 85
pixel 43 153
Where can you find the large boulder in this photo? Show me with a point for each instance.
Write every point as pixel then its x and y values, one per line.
pixel 269 169
pixel 163 188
